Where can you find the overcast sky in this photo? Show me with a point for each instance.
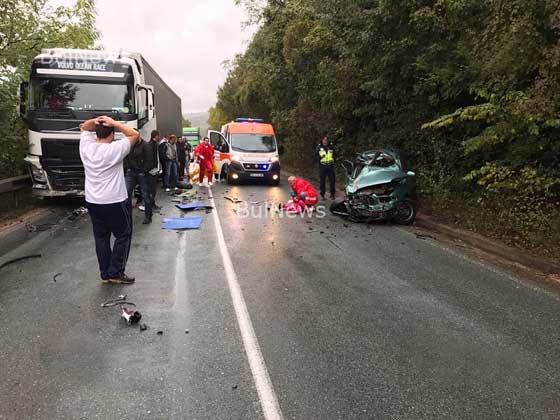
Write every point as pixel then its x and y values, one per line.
pixel 186 41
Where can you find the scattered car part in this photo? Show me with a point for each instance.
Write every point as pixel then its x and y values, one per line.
pixel 15 260
pixel 55 276
pixel 132 316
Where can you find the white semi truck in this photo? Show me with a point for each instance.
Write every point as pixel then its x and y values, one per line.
pixel 67 87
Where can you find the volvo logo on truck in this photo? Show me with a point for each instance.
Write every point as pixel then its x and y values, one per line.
pixel 69 86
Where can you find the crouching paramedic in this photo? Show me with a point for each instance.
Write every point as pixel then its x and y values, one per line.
pixel 106 196
pixel 302 189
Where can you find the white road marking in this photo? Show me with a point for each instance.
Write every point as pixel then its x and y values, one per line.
pixel 265 389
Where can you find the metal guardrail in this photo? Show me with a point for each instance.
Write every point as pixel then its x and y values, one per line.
pixel 14 185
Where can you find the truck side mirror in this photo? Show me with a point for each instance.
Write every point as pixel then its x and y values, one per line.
pixel 23 97
pixel 224 148
pixel 281 149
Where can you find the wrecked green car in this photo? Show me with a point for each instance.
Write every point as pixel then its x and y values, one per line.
pixel 378 188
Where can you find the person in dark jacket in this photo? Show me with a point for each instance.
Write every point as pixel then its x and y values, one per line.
pixel 135 174
pixel 162 149
pixel 153 166
pixel 181 156
pixel 325 155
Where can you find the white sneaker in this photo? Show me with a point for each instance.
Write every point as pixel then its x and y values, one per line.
pixel 141 208
pixel 210 184
pixel 167 189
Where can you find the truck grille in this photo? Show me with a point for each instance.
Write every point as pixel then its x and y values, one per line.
pixel 61 160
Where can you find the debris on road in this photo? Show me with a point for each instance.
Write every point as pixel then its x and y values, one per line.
pixel 424 237
pixel 78 212
pixel 120 300
pixel 334 243
pixel 186 331
pixel 55 276
pixel 131 316
pixel 234 386
pixel 160 332
pixel 233 200
pixel 39 228
pixel 143 327
pixel 182 223
pixel 15 260
pixel 194 206
pixel 186 194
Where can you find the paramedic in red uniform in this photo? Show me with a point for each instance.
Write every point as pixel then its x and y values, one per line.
pixel 304 190
pixel 204 153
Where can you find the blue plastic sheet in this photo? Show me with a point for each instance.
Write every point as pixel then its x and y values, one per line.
pixel 182 223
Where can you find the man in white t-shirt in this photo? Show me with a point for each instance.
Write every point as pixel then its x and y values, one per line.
pixel 106 196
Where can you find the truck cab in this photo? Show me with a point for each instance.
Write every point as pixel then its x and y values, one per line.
pixel 67 87
pixel 246 149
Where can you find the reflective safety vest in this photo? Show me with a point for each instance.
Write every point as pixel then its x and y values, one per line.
pixel 326 156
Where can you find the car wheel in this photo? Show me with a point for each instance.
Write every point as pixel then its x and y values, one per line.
pixel 406 212
pixel 338 207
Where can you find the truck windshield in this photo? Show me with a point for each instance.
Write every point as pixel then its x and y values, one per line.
pixel 253 143
pixel 59 94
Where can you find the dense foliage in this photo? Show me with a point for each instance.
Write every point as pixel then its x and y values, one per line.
pixel 468 89
pixel 27 26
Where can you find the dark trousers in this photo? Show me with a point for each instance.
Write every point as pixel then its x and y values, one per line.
pixel 182 164
pixel 327 171
pixel 151 181
pixel 115 219
pixel 133 179
pixel 170 176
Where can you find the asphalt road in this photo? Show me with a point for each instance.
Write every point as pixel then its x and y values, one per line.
pixel 330 321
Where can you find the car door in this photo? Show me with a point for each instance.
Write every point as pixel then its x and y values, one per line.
pixel 221 149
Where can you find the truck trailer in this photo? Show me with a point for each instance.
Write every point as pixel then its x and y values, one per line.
pixel 67 87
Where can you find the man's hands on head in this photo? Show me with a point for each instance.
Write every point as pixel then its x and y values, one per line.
pixel 132 135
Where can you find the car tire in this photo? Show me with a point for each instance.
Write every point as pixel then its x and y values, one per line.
pixel 338 207
pixel 406 212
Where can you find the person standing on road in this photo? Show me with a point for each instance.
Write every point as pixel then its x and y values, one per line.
pixel 181 156
pixel 162 148
pixel 153 167
pixel 204 153
pixel 170 179
pixel 324 154
pixel 136 174
pixel 106 196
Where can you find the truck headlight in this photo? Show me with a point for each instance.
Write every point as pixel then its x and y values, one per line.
pixel 38 174
pixel 235 157
pixel 274 159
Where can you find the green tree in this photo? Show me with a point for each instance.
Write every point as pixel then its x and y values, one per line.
pixel 26 27
pixel 469 90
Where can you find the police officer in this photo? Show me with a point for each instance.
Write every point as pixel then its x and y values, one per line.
pixel 324 154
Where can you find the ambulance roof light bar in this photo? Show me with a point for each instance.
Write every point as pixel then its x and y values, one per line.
pixel 253 120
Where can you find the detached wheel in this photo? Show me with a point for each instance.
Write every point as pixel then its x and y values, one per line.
pixel 338 207
pixel 406 212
